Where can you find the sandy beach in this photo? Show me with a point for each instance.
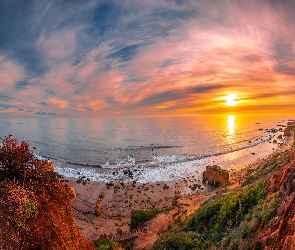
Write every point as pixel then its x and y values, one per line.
pixel 118 199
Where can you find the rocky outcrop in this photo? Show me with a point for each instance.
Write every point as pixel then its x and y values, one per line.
pixel 98 209
pixel 45 220
pixel 71 192
pixel 35 207
pixel 49 165
pixel 215 175
pixel 289 129
pixel 282 234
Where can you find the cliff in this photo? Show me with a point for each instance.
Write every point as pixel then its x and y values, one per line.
pixel 258 213
pixel 35 208
pixel 281 235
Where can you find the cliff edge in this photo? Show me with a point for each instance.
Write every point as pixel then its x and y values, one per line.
pixel 35 207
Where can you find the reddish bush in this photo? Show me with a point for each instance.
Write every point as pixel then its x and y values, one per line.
pixel 15 158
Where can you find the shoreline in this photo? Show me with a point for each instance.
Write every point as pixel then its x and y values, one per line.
pixel 174 170
pixel 120 198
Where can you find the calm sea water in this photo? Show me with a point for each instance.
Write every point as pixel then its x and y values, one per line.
pixel 98 144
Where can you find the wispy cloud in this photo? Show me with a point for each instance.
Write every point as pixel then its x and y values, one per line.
pixel 145 57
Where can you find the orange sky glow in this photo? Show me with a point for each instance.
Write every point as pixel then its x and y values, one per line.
pixel 168 59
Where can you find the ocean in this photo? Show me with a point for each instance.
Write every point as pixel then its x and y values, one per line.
pixel 153 148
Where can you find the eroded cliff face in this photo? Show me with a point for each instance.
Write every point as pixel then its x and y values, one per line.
pixel 282 234
pixel 259 213
pixel 44 221
pixel 35 207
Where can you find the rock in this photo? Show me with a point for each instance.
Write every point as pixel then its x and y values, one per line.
pixel 101 195
pixel 71 192
pixel 280 136
pixel 98 209
pixel 253 153
pixel 216 176
pixel 275 141
pixel 49 165
pixel 195 186
pixel 177 195
pixel 289 130
pixel 165 186
pixel 109 184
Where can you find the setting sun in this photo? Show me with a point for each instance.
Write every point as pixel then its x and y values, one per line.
pixel 230 100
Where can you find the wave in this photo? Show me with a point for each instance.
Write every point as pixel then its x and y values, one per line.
pixel 167 159
pixel 130 161
pixel 162 168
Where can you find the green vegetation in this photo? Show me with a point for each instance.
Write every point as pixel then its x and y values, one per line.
pixel 249 180
pixel 181 240
pixel 105 244
pixel 216 217
pixel 223 220
pixel 138 217
pixel 128 244
pixel 29 206
pixel 20 224
pixel 236 219
pixel 217 169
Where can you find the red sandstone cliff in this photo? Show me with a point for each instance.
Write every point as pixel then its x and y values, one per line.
pixel 35 208
pixel 51 224
pixel 282 234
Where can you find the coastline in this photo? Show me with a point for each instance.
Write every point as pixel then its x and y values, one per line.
pixel 123 197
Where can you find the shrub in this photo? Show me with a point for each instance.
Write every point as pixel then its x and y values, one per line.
pixel 15 158
pixel 104 244
pixel 180 241
pixel 138 217
pixel 249 180
pixel 216 217
pixel 20 204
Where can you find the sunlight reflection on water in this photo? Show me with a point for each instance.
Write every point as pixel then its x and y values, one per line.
pixel 231 124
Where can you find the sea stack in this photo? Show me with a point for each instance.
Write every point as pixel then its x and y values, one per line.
pixel 216 176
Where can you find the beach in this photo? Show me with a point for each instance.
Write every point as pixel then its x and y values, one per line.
pixel 182 196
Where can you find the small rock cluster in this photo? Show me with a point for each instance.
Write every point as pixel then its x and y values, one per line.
pixel 83 180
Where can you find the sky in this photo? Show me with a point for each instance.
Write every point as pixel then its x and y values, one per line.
pixel 142 58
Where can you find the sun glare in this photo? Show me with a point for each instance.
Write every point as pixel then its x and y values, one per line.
pixel 230 100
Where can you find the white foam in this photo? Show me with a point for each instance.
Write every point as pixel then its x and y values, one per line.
pixel 168 158
pixel 165 168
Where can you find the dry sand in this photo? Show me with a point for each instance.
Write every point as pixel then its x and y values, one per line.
pixel 121 198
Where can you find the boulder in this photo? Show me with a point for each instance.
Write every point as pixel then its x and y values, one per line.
pixel 287 131
pixel 49 165
pixel 71 192
pixel 101 195
pixel 215 175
